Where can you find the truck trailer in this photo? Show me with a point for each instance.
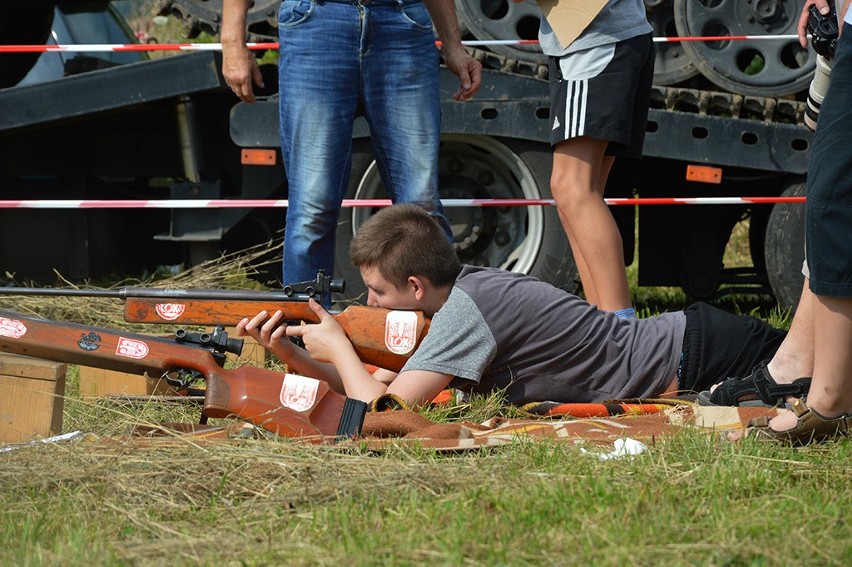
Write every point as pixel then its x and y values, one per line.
pixel 726 120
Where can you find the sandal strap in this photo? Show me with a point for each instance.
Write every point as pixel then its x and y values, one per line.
pixel 811 426
pixel 779 392
pixel 761 384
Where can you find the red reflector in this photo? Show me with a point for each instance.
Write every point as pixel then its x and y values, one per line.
pixel 258 157
pixel 703 174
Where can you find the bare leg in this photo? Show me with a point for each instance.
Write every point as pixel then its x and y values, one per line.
pixel 795 357
pixel 580 171
pixel 831 389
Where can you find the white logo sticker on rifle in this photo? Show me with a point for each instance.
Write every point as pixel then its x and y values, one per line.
pixel 131 348
pixel 401 331
pixel 298 392
pixel 12 328
pixel 170 311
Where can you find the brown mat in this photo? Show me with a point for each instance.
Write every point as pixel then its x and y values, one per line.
pixel 499 431
pixel 384 429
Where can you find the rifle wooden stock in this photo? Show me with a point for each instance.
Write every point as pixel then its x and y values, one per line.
pixel 287 405
pixel 380 336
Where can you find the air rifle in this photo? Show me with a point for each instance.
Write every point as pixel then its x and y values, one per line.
pixel 380 337
pixel 285 404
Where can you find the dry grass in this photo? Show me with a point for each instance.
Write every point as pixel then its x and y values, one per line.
pixel 228 271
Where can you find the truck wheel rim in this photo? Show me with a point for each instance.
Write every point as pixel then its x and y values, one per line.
pixel 750 67
pixel 479 167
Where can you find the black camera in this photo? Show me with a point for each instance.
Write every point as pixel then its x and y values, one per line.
pixel 824 32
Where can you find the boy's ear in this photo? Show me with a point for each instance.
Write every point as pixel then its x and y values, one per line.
pixel 418 286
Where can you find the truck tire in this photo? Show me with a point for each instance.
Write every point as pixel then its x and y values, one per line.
pixel 523 239
pixel 785 247
pixel 671 64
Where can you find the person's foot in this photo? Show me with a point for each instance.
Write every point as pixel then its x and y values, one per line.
pixel 783 422
pixel 760 388
pixel 800 426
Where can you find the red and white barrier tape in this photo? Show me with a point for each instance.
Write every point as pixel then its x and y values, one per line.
pixel 355 203
pixel 100 47
pixel 780 37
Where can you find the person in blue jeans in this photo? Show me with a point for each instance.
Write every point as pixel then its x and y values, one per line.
pixel 338 58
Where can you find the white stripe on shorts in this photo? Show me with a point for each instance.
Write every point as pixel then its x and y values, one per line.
pixel 577 68
pixel 575 113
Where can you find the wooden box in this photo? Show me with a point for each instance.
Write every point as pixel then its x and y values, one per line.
pixel 31 398
pixel 97 382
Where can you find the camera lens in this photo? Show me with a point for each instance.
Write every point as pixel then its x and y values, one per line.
pixel 816 92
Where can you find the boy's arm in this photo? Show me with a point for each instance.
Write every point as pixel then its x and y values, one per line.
pixel 419 387
pixel 327 342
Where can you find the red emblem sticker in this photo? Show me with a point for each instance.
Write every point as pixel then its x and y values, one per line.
pixel 12 328
pixel 170 311
pixel 401 331
pixel 298 392
pixel 131 348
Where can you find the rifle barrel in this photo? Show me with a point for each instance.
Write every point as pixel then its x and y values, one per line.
pixel 157 293
pixel 61 292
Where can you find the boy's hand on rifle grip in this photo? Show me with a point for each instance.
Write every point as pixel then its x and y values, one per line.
pixel 324 340
pixel 269 332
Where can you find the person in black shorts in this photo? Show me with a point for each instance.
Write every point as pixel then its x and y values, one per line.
pixel 815 360
pixel 600 88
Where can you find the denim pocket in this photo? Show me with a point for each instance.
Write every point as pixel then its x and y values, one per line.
pixel 294 12
pixel 417 15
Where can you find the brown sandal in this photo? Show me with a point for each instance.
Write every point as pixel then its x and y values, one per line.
pixel 811 427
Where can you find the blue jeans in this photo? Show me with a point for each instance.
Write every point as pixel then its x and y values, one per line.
pixel 339 56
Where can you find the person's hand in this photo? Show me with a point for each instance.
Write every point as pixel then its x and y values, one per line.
pixel 269 332
pixel 241 71
pixel 466 68
pixel 822 6
pixel 323 340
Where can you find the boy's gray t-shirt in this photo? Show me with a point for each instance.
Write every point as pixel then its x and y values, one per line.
pixel 501 330
pixel 618 20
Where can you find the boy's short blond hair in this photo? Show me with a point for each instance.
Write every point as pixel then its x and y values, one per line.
pixel 404 240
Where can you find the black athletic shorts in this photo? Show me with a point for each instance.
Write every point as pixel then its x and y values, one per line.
pixel 603 92
pixel 828 211
pixel 719 345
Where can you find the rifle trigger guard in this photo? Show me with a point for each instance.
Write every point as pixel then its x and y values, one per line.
pixel 182 379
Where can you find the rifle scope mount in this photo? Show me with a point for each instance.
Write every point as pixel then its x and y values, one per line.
pixel 313 289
